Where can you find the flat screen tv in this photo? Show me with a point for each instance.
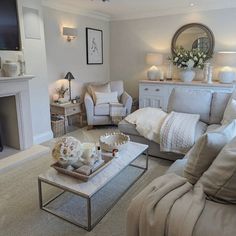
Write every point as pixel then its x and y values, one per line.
pixel 9 26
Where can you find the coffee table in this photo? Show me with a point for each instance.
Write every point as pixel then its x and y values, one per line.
pixel 98 193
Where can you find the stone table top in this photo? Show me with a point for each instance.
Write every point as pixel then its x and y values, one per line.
pixel 126 156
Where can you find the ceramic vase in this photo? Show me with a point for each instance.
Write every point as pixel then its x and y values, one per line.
pixel 187 75
pixel 9 68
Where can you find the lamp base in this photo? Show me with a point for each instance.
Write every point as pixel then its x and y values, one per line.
pixel 227 77
pixel 154 73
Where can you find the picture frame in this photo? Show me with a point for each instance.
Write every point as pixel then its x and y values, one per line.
pixel 94 46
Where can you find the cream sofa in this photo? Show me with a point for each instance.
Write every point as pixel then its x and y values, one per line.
pixel 209 105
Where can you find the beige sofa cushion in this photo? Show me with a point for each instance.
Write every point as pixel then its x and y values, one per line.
pixel 205 150
pixel 219 181
pixel 218 105
pixel 191 101
pixel 230 112
pixel 101 88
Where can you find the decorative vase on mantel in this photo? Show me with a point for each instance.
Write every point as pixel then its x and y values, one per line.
pixel 187 75
pixel 9 68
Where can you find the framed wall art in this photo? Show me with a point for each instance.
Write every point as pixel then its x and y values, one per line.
pixel 94 45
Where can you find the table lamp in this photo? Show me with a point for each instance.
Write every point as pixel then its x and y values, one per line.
pixel 226 60
pixel 69 77
pixel 154 60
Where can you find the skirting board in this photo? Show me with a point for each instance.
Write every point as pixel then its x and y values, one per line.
pixel 41 138
pixel 23 156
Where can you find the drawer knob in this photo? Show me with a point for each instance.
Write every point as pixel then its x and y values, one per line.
pixel 146 89
pixel 74 109
pixel 157 90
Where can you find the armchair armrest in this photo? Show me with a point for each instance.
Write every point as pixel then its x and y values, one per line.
pixel 89 106
pixel 127 101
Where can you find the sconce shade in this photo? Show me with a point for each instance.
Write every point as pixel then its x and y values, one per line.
pixel 226 59
pixel 69 76
pixel 154 59
pixel 73 32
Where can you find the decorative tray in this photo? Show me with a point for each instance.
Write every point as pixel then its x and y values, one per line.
pixel 107 160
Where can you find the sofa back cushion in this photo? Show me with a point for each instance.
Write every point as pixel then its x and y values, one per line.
pixel 219 181
pixel 218 105
pixel 230 111
pixel 191 101
pixel 205 150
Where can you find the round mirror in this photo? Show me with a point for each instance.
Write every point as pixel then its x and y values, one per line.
pixel 194 36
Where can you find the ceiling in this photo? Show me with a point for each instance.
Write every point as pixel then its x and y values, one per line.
pixel 131 9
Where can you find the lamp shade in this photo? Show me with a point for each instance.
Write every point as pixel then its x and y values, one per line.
pixel 70 31
pixel 69 76
pixel 154 59
pixel 226 59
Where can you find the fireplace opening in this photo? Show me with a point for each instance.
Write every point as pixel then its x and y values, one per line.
pixel 9 132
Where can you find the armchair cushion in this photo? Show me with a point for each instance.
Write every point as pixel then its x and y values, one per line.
pixel 101 88
pixel 104 98
pixel 117 86
pixel 102 110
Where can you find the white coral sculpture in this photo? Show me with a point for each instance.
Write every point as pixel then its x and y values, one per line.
pixel 67 150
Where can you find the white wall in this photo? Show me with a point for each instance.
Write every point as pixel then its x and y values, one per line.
pixel 63 56
pixel 35 57
pixel 132 39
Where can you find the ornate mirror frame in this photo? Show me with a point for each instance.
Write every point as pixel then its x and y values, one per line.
pixel 209 33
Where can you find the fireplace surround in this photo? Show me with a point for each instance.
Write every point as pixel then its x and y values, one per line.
pixel 18 88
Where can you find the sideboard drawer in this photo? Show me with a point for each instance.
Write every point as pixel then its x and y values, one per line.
pixel 152 90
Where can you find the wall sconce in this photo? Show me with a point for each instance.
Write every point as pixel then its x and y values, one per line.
pixel 71 33
pixel 227 60
pixel 154 60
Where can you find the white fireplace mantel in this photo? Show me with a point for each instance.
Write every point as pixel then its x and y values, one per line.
pixel 19 87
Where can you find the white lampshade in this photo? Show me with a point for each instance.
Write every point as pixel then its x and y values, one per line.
pixel 73 32
pixel 226 59
pixel 154 59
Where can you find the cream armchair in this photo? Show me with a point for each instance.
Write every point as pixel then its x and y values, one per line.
pixel 101 114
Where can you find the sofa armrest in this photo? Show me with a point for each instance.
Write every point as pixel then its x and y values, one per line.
pixel 127 101
pixel 89 106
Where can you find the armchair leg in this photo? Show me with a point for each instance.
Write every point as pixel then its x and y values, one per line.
pixel 90 127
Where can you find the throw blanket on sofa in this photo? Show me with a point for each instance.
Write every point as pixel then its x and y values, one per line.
pixel 169 206
pixel 178 132
pixel 148 122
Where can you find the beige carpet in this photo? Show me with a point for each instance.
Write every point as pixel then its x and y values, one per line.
pixel 19 211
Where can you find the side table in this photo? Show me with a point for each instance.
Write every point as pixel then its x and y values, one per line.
pixel 67 110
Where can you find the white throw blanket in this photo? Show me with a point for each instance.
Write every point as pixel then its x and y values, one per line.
pixel 148 122
pixel 178 132
pixel 169 206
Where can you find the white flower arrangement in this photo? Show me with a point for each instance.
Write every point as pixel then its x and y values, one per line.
pixel 67 151
pixel 189 59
